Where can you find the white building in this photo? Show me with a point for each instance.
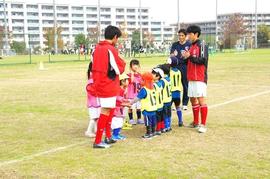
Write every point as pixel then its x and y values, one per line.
pixel 24 19
pixel 209 27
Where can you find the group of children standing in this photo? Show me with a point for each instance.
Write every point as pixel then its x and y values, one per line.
pixel 151 95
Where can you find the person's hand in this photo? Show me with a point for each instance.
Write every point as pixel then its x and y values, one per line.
pixel 126 104
pixel 186 54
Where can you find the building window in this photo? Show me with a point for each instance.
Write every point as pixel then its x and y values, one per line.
pixel 105 9
pixel 105 16
pixel 120 17
pixel 91 9
pixel 46 7
pixel 77 15
pixel 17 13
pixel 130 10
pixel 62 15
pixel 105 22
pixel 120 10
pixel 77 8
pixel 91 22
pixel 77 22
pixel 47 14
pixel 131 17
pixel 91 16
pixel 18 6
pixel 61 8
pixel 32 14
pixel 31 6
pixel 33 21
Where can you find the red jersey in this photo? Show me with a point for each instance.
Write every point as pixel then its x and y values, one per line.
pixel 107 66
pixel 197 62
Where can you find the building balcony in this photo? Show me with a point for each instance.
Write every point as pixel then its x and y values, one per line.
pixel 33 32
pixel 17 17
pixel 32 17
pixel 32 10
pixel 33 24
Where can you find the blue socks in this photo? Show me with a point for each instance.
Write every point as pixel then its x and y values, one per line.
pixel 116 132
pixel 179 115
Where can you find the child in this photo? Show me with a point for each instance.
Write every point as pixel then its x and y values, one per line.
pixel 93 106
pixel 133 88
pixel 175 76
pixel 147 97
pixel 197 63
pixel 158 74
pixel 118 119
pixel 167 98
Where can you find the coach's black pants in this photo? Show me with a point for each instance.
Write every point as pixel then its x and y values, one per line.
pixel 184 81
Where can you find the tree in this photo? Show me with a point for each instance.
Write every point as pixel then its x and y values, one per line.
pixel 49 37
pixel 149 38
pixel 135 38
pixel 234 29
pixel 93 34
pixel 19 47
pixel 2 36
pixel 263 34
pixel 80 40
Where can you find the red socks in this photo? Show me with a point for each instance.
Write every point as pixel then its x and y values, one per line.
pixel 101 124
pixel 108 124
pixel 196 110
pixel 204 111
pixel 104 122
pixel 159 126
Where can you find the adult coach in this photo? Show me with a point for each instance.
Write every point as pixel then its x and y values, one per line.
pixel 176 49
pixel 197 63
pixel 107 66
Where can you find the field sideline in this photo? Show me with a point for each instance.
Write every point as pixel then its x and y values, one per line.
pixel 43 117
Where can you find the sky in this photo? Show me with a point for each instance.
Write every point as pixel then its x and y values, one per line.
pixel 190 10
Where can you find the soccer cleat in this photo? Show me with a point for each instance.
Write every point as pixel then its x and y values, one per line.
pixel 181 124
pixel 101 145
pixel 158 133
pixel 185 107
pixel 202 129
pixel 132 122
pixel 122 137
pixel 169 129
pixel 147 136
pixel 192 125
pixel 115 137
pixel 140 121
pixel 163 131
pixel 109 141
pixel 91 135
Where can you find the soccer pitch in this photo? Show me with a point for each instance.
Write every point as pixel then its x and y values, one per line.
pixel 43 117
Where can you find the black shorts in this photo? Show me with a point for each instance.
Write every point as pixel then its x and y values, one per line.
pixel 167 111
pixel 176 101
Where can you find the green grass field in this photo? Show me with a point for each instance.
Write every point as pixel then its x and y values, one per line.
pixel 43 117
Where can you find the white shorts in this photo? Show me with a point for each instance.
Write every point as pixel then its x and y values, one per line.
pixel 94 113
pixel 136 105
pixel 108 102
pixel 117 122
pixel 197 89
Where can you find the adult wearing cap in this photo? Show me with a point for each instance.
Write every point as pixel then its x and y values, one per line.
pixel 176 50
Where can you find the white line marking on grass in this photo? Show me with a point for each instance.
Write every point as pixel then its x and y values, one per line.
pixel 29 157
pixel 81 143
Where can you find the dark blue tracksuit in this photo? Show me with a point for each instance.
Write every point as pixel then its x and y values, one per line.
pixel 182 66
